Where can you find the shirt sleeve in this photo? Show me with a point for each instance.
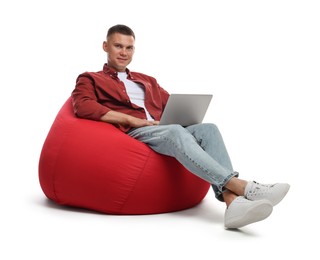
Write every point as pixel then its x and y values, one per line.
pixel 84 99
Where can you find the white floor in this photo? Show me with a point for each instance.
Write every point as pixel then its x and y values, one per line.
pixel 260 59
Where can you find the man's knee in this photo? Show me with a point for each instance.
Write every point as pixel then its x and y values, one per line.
pixel 175 130
pixel 210 126
pixel 206 128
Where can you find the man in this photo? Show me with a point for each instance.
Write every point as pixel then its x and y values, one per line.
pixel 134 102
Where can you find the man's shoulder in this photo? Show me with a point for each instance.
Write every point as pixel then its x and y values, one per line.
pixel 142 76
pixel 95 73
pixel 92 74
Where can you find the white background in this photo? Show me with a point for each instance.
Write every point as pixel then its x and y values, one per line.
pixel 260 60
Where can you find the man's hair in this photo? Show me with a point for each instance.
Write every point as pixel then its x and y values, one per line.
pixel 120 28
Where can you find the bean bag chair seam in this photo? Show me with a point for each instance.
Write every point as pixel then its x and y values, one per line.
pixel 134 186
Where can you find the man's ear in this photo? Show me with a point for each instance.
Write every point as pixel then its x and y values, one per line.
pixel 104 46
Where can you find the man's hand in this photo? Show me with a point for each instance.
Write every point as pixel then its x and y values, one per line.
pixel 137 122
pixel 117 118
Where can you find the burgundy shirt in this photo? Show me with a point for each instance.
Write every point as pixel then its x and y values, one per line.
pixel 97 93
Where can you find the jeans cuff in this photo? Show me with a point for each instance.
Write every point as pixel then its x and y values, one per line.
pixel 219 194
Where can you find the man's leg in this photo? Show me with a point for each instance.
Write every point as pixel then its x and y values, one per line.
pixel 209 138
pixel 201 150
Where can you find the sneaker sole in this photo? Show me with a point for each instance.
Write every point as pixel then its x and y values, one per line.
pixel 254 214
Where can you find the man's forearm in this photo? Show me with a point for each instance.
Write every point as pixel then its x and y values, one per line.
pixel 118 118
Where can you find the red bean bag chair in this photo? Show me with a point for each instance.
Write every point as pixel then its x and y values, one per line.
pixel 93 165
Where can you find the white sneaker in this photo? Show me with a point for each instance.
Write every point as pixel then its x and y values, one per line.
pixel 272 192
pixel 242 212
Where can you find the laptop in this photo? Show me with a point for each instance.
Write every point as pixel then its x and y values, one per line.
pixel 185 109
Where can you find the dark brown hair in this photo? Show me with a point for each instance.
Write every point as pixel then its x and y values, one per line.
pixel 120 28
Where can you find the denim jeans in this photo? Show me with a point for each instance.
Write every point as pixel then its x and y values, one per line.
pixel 199 148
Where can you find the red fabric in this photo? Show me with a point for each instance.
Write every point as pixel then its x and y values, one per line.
pixel 96 93
pixel 93 165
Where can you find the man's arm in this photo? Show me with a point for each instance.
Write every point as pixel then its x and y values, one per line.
pixel 118 118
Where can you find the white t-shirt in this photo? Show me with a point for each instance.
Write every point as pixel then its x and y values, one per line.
pixel 135 92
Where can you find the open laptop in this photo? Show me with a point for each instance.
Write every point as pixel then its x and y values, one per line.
pixel 185 109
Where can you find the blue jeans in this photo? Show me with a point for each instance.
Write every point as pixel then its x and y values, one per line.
pixel 199 148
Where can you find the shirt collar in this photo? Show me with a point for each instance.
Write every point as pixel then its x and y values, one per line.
pixel 113 73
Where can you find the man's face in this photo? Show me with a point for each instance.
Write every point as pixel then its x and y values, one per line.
pixel 120 49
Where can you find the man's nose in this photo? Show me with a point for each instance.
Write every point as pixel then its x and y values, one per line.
pixel 123 51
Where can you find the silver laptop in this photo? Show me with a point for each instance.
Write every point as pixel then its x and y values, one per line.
pixel 185 109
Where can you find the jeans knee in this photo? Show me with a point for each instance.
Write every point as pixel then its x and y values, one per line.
pixel 175 130
pixel 210 126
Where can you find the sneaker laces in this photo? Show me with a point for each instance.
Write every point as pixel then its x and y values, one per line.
pixel 259 188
